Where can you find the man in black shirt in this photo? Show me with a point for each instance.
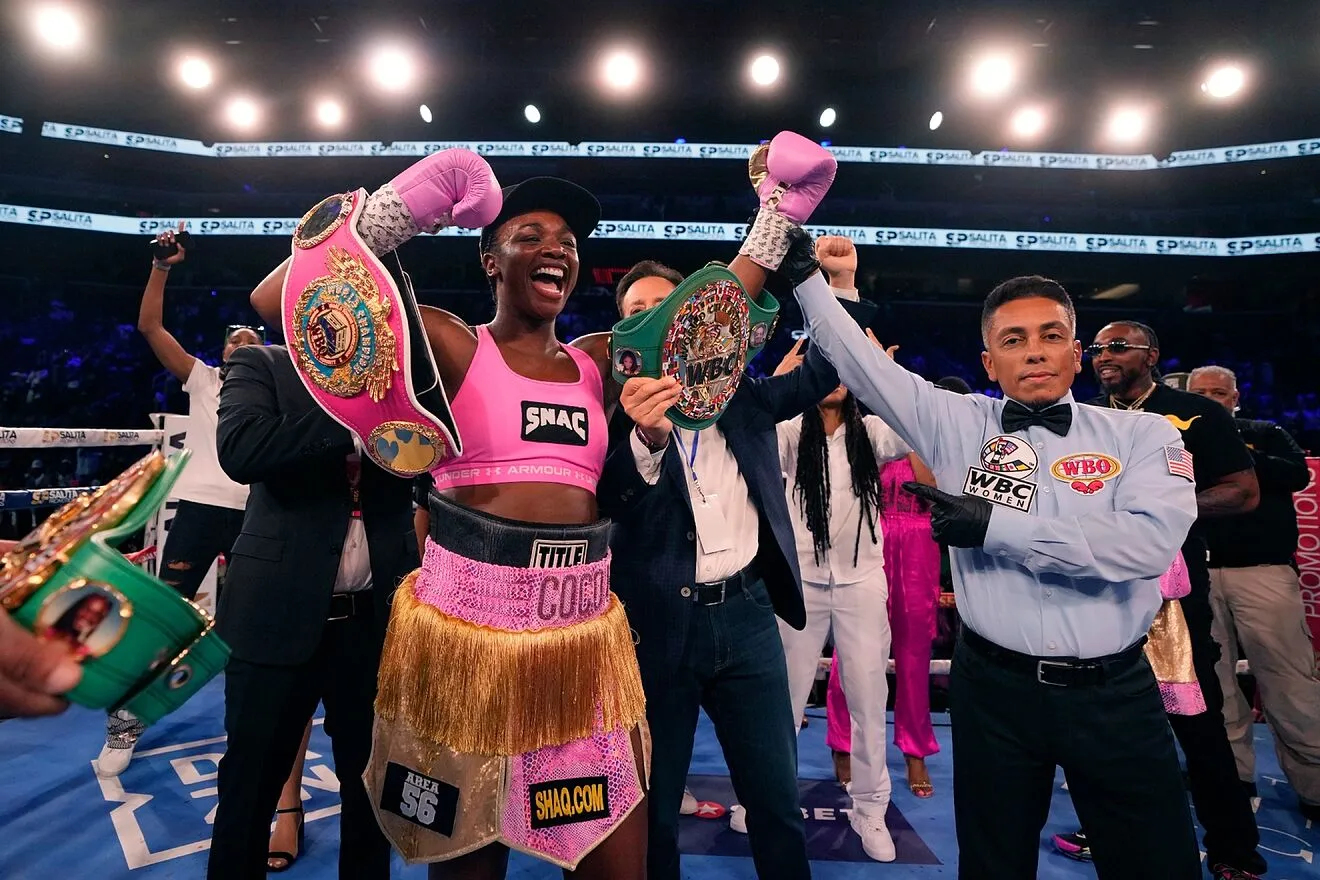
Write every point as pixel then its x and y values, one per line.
pixel 1257 600
pixel 1124 356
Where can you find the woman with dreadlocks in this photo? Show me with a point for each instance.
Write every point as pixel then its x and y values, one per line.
pixel 831 456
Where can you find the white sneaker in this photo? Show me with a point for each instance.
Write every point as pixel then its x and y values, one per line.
pixel 689 805
pixel 875 836
pixel 122 730
pixel 113 760
pixel 738 819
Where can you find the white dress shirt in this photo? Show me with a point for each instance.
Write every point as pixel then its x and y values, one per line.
pixel 845 507
pixel 728 519
pixel 355 559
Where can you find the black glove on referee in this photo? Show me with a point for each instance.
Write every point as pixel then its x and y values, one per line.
pixel 800 262
pixel 956 520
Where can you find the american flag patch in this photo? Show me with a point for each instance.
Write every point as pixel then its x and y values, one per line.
pixel 1179 461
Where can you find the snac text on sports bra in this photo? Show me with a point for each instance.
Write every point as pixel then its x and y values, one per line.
pixel 520 430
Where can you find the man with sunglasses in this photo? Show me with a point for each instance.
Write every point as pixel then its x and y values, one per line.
pixel 1124 357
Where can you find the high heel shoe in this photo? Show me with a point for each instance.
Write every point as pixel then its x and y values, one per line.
pixel 287 857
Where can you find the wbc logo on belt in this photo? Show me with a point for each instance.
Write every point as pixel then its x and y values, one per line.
pixel 706 348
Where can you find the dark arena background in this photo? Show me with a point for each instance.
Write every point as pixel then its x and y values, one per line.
pixel 1157 158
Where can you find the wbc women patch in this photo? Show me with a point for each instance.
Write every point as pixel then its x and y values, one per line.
pixel 1005 460
pixel 1086 472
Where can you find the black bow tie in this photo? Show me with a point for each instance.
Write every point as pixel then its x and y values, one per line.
pixel 1057 418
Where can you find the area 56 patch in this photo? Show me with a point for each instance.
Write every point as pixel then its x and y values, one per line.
pixel 999 489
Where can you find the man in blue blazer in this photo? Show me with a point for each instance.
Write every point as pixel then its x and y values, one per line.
pixel 703 560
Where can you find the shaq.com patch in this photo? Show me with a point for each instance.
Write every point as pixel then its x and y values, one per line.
pixel 553 423
pixel 423 801
pixel 999 489
pixel 567 801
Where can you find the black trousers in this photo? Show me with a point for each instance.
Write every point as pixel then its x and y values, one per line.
pixel 1222 805
pixel 266 710
pixel 198 534
pixel 1113 741
pixel 733 666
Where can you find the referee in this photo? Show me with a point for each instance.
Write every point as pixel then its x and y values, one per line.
pixel 1062 518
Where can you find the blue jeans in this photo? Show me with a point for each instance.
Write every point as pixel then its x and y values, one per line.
pixel 732 665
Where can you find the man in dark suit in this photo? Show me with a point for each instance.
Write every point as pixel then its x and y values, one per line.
pixel 703 559
pixel 326 538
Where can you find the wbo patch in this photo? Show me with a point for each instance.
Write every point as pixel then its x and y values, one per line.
pixel 1086 472
pixel 340 332
pixel 1009 455
pixel 554 423
pixel 568 801
pixel 1000 489
pixel 427 803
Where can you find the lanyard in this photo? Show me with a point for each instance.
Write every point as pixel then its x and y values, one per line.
pixel 692 459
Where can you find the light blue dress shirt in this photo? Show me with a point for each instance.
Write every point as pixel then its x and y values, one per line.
pixel 1082 526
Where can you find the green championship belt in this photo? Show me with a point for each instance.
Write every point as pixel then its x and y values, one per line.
pixel 143 647
pixel 703 334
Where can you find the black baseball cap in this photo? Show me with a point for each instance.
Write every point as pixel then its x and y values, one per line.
pixel 578 207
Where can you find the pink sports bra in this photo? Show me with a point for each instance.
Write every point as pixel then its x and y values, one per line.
pixel 520 430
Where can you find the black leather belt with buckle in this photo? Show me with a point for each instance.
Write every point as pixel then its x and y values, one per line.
pixel 1059 672
pixel 346 605
pixel 716 592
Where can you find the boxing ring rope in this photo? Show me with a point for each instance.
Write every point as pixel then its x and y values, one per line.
pixel 43 438
pixel 54 438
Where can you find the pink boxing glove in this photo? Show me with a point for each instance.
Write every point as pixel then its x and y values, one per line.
pixel 791 175
pixel 451 187
pixel 797 174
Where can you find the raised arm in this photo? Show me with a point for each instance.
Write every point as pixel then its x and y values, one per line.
pixel 918 412
pixel 151 314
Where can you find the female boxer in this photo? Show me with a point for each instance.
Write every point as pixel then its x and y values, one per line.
pixel 510 710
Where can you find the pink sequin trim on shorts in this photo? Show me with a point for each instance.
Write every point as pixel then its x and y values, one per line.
pixel 511 598
pixel 564 800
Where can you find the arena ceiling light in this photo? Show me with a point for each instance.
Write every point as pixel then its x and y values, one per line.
pixel 392 68
pixel 329 113
pixel 936 120
pixel 532 113
pixel 59 27
pixel 242 113
pixel 1027 122
pixel 195 72
pixel 763 70
pixel 621 70
pixel 828 117
pixel 994 75
pixel 1224 81
pixel 1127 125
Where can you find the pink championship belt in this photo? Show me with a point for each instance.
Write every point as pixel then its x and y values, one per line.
pixel 358 343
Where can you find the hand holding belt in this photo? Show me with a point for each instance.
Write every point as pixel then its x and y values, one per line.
pixel 143 647
pixel 703 334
